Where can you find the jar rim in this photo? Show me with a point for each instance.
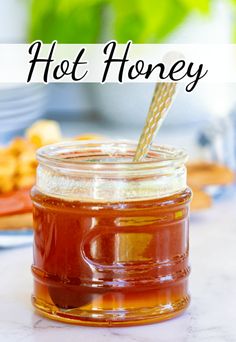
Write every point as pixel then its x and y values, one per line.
pixel 80 155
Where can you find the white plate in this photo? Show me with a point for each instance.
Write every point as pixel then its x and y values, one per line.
pixel 15 238
pixel 19 112
pixel 11 93
pixel 19 123
pixel 23 101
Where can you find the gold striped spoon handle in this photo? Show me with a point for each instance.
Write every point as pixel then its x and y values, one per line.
pixel 161 102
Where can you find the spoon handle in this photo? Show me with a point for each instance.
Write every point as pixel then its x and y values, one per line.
pixel 161 102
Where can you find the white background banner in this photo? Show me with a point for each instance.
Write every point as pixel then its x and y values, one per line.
pixel 111 62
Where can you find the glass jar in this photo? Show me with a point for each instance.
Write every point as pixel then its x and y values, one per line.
pixel 110 236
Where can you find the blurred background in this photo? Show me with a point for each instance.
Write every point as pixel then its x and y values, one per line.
pixel 203 121
pixel 114 108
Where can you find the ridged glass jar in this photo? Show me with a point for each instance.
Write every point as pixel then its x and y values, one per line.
pixel 111 238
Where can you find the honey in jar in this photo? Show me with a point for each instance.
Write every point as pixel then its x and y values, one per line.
pixel 110 236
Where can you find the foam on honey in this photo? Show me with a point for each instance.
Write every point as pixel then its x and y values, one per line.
pixel 104 187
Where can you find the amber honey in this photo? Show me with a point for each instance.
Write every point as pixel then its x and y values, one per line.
pixel 110 262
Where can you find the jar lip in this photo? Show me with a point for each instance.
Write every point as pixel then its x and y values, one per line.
pixel 84 155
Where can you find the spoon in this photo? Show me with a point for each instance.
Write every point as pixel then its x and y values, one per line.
pixel 161 102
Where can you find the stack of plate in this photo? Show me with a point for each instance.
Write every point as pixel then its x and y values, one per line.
pixel 20 106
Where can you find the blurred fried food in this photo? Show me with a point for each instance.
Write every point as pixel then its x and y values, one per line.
pixel 200 200
pixel 18 145
pixel 8 163
pixel 24 181
pixel 6 184
pixel 17 160
pixel 204 174
pixel 26 163
pixel 44 132
pixel 17 165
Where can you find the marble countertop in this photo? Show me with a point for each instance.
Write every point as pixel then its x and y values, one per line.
pixel 210 317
